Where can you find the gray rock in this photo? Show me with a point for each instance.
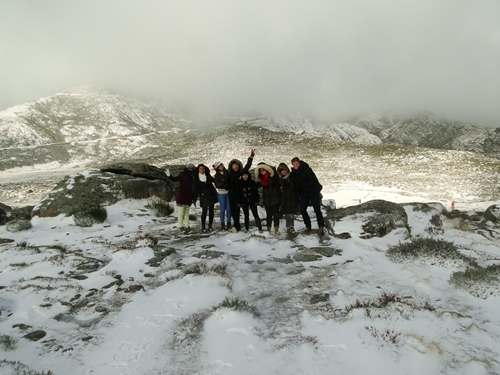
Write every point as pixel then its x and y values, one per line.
pixel 379 217
pixel 142 170
pixel 18 225
pixel 4 213
pixel 76 193
pixel 434 210
pixel 35 335
pixel 492 214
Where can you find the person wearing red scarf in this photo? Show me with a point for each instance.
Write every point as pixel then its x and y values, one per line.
pixel 266 177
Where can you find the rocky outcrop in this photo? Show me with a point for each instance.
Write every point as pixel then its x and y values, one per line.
pixel 375 218
pixel 142 170
pixel 492 214
pixel 77 192
pixel 8 213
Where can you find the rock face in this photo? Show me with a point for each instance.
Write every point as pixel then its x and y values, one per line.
pixel 142 170
pixel 76 193
pixel 492 214
pixel 18 225
pixel 8 213
pixel 378 218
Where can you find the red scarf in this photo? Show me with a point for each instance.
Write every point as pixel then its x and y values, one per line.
pixel 264 180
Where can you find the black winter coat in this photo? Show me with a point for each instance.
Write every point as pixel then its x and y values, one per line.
pixel 248 193
pixel 234 177
pixel 222 180
pixel 290 195
pixel 205 190
pixel 306 179
pixel 271 193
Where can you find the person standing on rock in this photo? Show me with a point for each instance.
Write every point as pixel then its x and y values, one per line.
pixel 221 180
pixel 235 169
pixel 309 190
pixel 248 199
pixel 290 196
pixel 271 194
pixel 204 189
pixel 184 196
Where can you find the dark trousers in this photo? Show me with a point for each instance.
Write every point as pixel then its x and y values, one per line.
pixel 304 202
pixel 273 214
pixel 255 216
pixel 235 212
pixel 210 210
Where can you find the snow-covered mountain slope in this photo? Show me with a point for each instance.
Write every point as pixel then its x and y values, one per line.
pixel 81 114
pixel 426 130
pixel 342 132
pixel 444 174
pixel 92 113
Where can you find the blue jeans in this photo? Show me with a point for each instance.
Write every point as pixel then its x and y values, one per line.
pixel 225 208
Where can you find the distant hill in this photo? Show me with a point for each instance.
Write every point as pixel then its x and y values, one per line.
pixel 86 114
pixel 426 130
pixel 81 114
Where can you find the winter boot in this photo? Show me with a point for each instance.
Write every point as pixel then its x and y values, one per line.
pixel 277 230
pixel 269 228
pixel 321 231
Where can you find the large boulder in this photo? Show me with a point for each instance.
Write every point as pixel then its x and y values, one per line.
pixel 374 218
pixel 78 192
pixel 143 170
pixel 8 213
pixel 492 214
pixel 4 213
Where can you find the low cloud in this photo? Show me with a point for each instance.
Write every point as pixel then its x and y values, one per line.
pixel 328 60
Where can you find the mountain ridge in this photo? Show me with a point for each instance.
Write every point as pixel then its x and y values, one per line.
pixel 90 113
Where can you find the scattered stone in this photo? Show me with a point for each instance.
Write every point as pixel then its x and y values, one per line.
pixel 78 277
pixel 18 225
pixel 134 288
pixel 306 257
pixel 160 253
pixel 380 217
pixel 22 326
pixel 35 335
pixel 6 240
pixel 113 283
pixel 286 260
pixel 317 298
pixel 209 254
pixel 326 251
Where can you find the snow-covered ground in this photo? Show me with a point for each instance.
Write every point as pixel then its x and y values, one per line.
pixel 298 318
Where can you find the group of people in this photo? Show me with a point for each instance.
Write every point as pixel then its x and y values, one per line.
pixel 285 191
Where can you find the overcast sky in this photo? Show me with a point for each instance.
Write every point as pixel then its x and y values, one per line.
pixel 329 59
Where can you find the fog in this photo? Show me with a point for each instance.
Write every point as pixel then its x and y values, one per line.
pixel 328 60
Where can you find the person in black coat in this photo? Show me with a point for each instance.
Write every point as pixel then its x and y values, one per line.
pixel 271 194
pixel 204 189
pixel 290 196
pixel 235 167
pixel 309 189
pixel 248 198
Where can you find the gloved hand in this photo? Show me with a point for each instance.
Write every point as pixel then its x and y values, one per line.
pixel 167 172
pixel 252 153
